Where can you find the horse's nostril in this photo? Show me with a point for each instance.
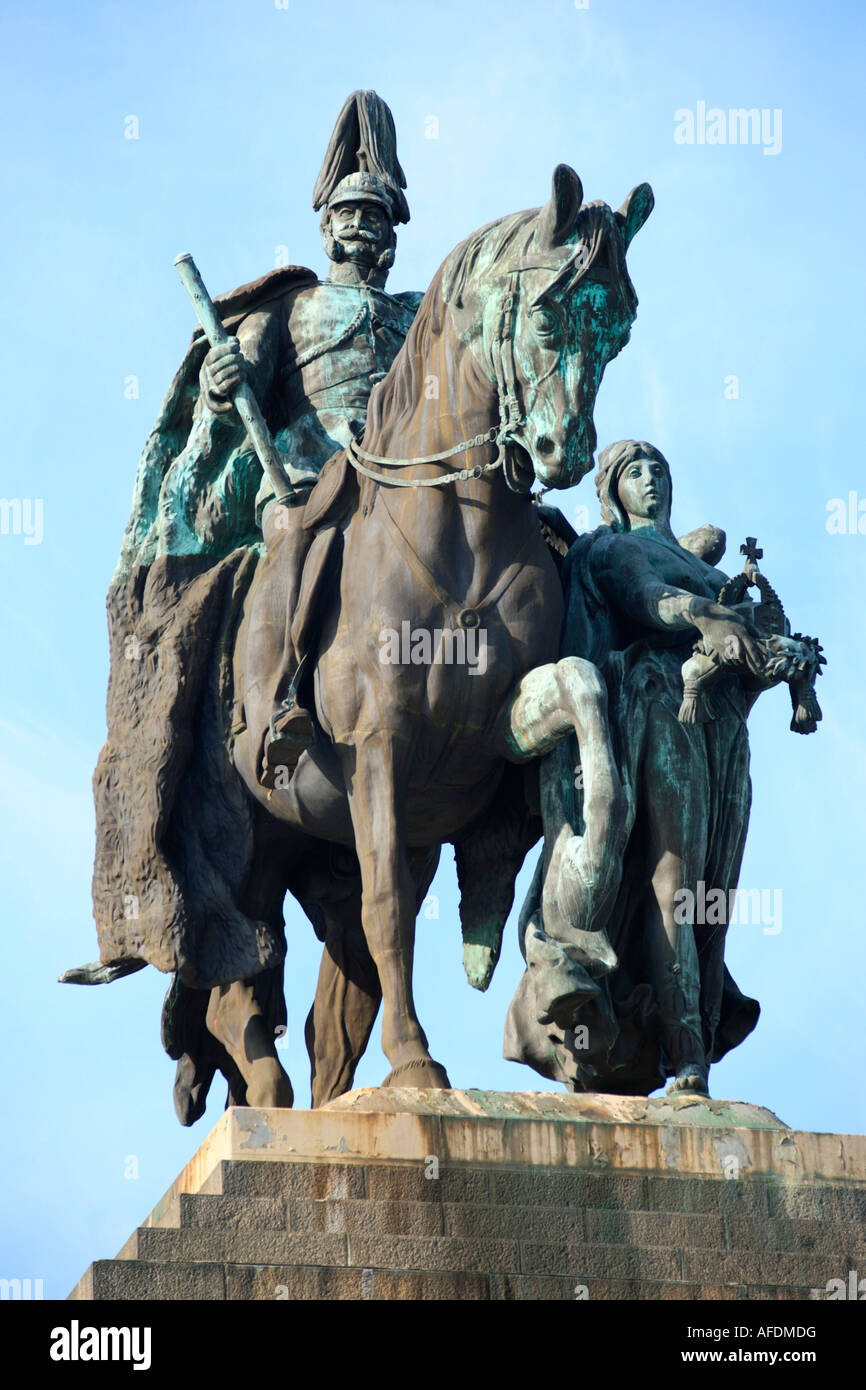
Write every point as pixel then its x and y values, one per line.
pixel 545 444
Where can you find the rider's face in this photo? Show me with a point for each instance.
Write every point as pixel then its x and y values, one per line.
pixel 362 230
pixel 644 490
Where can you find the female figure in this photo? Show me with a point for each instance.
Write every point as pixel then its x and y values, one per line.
pixel 623 987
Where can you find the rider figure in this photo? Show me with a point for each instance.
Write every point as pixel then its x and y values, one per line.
pixel 312 358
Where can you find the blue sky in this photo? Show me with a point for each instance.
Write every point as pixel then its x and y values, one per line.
pixel 749 267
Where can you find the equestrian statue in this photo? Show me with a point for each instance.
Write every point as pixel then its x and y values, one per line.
pixel 335 517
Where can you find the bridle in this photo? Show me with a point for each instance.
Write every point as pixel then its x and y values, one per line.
pixel 505 375
pixel 510 418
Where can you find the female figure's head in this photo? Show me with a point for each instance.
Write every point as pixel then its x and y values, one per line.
pixel 634 486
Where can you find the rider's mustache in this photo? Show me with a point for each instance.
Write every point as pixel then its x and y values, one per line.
pixel 357 234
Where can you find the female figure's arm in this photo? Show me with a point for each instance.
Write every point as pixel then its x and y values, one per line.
pixel 630 584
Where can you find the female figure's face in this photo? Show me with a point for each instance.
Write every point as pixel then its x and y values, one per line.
pixel 644 491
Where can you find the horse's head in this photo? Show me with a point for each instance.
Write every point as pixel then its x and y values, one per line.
pixel 545 300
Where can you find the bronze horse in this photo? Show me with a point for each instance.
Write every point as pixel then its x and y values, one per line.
pixel 493 388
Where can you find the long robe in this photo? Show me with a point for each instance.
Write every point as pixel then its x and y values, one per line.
pixel 641 665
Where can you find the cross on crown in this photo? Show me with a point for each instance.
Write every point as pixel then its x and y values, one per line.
pixel 751 551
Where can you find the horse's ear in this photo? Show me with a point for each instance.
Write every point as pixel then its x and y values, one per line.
pixel 556 220
pixel 635 211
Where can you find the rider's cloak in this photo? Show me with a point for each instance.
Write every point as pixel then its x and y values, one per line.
pixel 174 831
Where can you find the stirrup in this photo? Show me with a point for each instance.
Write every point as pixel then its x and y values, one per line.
pixel 290 733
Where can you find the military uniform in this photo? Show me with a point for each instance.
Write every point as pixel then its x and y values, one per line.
pixel 313 358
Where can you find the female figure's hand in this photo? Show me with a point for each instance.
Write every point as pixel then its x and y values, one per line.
pixel 728 633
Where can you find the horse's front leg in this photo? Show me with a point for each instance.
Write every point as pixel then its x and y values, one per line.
pixel 567 951
pixel 375 782
pixel 582 872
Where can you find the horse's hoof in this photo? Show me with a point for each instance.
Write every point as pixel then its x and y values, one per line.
pixel 690 1082
pixel 268 1089
pixel 422 1073
pixel 479 962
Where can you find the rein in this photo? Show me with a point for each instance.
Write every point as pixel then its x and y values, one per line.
pixel 509 418
pixel 491 437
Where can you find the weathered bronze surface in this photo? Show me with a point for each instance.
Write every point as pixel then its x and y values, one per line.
pixel 624 985
pixel 312 692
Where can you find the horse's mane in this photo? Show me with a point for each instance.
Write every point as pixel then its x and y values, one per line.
pixel 499 238
pixel 508 238
pixel 396 398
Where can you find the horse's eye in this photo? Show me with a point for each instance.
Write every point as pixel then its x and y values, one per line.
pixel 547 325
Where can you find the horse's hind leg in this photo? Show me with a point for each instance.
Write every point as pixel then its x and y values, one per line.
pixel 388 904
pixel 244 1015
pixel 235 1018
pixel 348 995
pixel 199 1056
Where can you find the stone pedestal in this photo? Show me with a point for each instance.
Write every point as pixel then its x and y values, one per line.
pixel 408 1194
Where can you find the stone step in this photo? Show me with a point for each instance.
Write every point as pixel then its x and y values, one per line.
pixel 694 1264
pixel 533 1287
pixel 372 1217
pixel 344 1181
pixel 575 1260
pixel 746 1196
pixel 294 1282
pixel 193 1210
pixel 474 1196
pixel 798 1234
pixel 184 1245
pixel 832 1202
pixel 131 1279
pixel 803 1268
pixel 122 1280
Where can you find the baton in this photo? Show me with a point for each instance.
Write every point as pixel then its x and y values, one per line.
pixel 245 401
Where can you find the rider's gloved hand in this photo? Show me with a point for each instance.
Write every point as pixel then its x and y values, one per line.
pixel 222 372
